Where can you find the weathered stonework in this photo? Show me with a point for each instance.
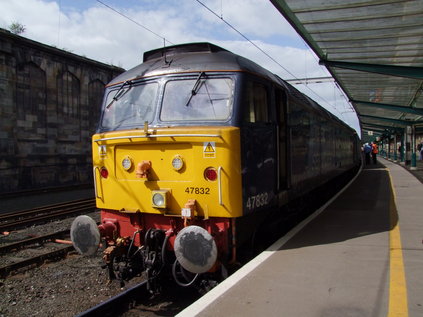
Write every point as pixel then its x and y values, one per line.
pixel 49 107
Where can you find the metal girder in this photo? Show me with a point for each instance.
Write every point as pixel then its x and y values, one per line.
pixel 381 127
pixel 372 128
pixel 396 121
pixel 311 80
pixel 390 107
pixel 373 134
pixel 393 70
pixel 416 95
pixel 385 132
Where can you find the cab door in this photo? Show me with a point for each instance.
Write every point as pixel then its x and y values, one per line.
pixel 259 147
pixel 281 104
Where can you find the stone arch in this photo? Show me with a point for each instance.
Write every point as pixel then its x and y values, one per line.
pixel 68 108
pixel 31 100
pixel 68 95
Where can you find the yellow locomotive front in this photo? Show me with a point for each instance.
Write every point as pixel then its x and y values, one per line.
pixel 159 171
pixel 167 176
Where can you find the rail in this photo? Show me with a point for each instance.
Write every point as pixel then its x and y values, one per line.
pixel 14 220
pixel 36 260
pixel 35 240
pixel 117 304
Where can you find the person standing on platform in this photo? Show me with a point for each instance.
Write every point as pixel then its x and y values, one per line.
pixel 420 150
pixel 375 151
pixel 367 149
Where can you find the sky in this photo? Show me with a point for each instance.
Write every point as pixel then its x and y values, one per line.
pixel 118 32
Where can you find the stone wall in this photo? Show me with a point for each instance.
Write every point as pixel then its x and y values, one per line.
pixel 49 107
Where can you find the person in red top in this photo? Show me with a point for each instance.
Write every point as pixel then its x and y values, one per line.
pixel 375 151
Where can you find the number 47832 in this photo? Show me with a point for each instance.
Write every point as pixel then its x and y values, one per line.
pixel 198 190
pixel 257 201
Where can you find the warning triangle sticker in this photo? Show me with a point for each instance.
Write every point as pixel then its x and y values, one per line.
pixel 209 148
pixel 102 150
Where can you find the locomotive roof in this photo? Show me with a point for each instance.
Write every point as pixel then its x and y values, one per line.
pixel 193 57
pixel 198 57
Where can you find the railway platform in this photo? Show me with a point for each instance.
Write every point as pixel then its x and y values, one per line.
pixel 360 255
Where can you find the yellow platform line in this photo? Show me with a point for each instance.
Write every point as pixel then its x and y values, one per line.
pixel 398 304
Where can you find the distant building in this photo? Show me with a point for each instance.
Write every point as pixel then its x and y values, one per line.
pixel 49 107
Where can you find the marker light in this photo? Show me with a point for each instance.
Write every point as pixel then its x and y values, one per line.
pixel 210 174
pixel 127 163
pixel 177 163
pixel 104 172
pixel 159 199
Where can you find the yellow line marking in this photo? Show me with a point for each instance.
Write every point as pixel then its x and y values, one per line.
pixel 398 304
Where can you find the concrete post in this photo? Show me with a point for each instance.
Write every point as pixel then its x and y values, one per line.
pixel 395 148
pixel 402 158
pixel 408 147
pixel 413 148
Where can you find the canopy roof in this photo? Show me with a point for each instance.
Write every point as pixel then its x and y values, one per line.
pixel 374 51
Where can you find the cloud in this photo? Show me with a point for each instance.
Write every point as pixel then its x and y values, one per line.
pixel 99 33
pixel 95 31
pixel 254 17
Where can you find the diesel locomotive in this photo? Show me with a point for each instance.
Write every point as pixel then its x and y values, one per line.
pixel 195 148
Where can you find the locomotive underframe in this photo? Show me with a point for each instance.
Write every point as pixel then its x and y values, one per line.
pixel 140 242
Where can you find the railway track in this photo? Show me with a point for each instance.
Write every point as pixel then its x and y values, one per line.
pixel 119 303
pixel 32 241
pixel 137 300
pixel 35 250
pixel 11 252
pixel 19 219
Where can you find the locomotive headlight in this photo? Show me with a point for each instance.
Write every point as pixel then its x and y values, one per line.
pixel 127 163
pixel 177 163
pixel 159 198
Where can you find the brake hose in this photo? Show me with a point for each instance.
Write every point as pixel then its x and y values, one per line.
pixel 176 278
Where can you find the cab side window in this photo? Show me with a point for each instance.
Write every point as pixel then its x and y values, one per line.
pixel 256 108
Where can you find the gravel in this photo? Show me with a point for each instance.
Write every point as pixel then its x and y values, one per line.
pixel 64 288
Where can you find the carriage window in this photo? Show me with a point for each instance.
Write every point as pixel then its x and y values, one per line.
pixel 256 103
pixel 129 106
pixel 199 99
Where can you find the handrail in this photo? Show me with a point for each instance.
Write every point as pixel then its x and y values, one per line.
pixel 95 181
pixel 219 174
pixel 149 136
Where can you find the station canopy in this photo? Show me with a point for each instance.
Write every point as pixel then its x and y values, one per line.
pixel 374 51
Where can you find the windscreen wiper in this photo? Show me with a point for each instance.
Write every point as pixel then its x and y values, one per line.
pixel 195 88
pixel 121 92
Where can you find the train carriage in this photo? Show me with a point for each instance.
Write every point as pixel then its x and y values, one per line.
pixel 195 147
